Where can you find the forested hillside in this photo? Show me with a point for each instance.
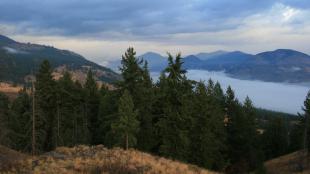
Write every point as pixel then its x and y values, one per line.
pixel 20 60
pixel 176 118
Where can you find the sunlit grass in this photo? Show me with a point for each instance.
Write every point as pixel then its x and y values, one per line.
pixel 98 159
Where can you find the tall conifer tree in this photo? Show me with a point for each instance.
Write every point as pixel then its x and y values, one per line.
pixel 92 107
pixel 20 121
pixel 174 122
pixel 127 125
pixel 4 119
pixel 207 132
pixel 46 106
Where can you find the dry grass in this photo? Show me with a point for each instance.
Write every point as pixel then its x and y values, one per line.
pixel 98 159
pixel 81 75
pixel 288 164
pixel 10 90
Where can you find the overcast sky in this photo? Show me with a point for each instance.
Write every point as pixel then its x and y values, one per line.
pixel 101 30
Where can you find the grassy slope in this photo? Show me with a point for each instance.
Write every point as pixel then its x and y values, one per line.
pixel 98 159
pixel 289 164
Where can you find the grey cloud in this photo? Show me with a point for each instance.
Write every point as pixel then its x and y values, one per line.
pixel 137 18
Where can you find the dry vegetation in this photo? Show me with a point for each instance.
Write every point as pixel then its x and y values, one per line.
pixel 10 90
pixel 98 159
pixel 81 75
pixel 289 164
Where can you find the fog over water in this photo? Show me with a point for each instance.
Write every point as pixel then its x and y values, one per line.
pixel 274 96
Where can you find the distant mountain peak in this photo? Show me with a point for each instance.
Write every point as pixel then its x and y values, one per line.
pixel 151 54
pixel 282 53
pixel 219 52
pixel 191 57
pixel 205 56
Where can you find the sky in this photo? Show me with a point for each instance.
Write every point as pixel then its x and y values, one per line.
pixel 101 30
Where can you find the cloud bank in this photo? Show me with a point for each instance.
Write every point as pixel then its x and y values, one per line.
pixel 197 25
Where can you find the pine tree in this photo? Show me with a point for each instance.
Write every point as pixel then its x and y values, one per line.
pixel 127 125
pixel 137 80
pixel 4 119
pixel 219 94
pixel 107 115
pixel 92 107
pixel 46 106
pixel 131 72
pixel 20 121
pixel 207 132
pixel 306 109
pixel 243 152
pixel 174 121
pixel 275 138
pixel 146 139
pixel 82 131
pixel 236 135
pixel 252 149
pixel 67 115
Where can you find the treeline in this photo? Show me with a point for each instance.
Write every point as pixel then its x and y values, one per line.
pixel 175 117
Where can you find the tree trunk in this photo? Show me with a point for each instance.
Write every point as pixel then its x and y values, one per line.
pixel 126 141
pixel 58 126
pixel 33 122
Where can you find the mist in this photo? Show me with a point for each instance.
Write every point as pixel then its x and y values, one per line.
pixel 268 95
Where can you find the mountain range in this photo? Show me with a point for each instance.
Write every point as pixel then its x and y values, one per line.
pixel 281 65
pixel 19 60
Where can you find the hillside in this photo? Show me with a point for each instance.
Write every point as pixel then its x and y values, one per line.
pixel 288 164
pixel 282 65
pixel 10 90
pixel 96 159
pixel 19 60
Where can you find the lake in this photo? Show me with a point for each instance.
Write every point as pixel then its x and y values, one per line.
pixel 274 96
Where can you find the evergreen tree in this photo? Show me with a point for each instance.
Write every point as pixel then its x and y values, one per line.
pixel 296 135
pixel 219 94
pixel 92 107
pixel 107 115
pixel 4 119
pixel 67 115
pixel 241 134
pixel 20 121
pixel 82 132
pixel 174 122
pixel 275 138
pixel 127 125
pixel 252 149
pixel 146 139
pixel 210 88
pixel 207 133
pixel 306 109
pixel 46 107
pixel 131 72
pixel 137 80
